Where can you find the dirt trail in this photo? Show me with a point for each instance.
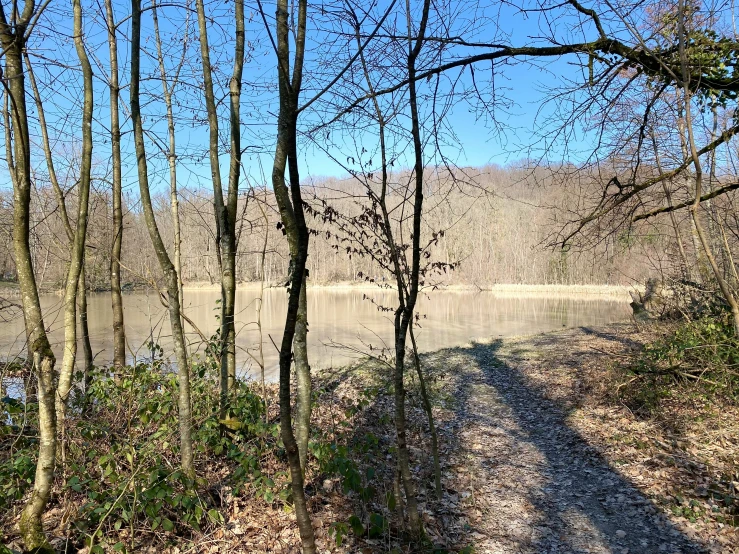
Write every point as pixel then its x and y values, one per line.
pixel 529 482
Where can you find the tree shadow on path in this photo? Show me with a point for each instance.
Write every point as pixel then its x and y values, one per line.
pixel 631 343
pixel 536 486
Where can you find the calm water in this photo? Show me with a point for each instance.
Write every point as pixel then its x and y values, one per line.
pixel 340 322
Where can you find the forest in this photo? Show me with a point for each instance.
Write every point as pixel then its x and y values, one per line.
pixel 482 224
pixel 402 151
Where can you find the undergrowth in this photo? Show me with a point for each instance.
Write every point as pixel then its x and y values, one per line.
pixel 119 488
pixel 118 474
pixel 697 357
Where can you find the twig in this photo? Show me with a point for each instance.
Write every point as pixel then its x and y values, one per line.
pixel 273 342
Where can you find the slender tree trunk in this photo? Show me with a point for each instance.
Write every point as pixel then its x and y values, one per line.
pixel 429 414
pixel 170 275
pixel 225 212
pixel 687 274
pixel 685 269
pixel 682 104
pixel 715 229
pixel 231 207
pixel 62 205
pixel 404 316
pixel 729 256
pixel 404 297
pixel 303 378
pixel 80 234
pixel 289 215
pixel 119 329
pixel 262 263
pixel 87 356
pixel 723 285
pixel 401 332
pixel 167 92
pixel 290 204
pixel 13 40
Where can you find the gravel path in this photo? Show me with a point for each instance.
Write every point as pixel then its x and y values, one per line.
pixel 534 485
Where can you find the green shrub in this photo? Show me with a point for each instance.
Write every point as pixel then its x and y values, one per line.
pixel 18 450
pixel 702 354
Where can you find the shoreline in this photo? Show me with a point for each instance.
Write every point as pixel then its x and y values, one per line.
pixel 620 292
pixel 498 289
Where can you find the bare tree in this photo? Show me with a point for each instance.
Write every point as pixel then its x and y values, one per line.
pixel 290 202
pixel 167 267
pixel 119 329
pixel 77 260
pixel 225 210
pixel 81 292
pixel 14 31
pixel 697 169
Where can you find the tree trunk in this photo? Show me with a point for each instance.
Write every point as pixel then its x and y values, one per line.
pixel 289 216
pixel 290 204
pixel 402 320
pixel 685 266
pixel 13 40
pixel 404 314
pixel 116 298
pixel 429 414
pixel 61 202
pixel 262 260
pixel 167 91
pixel 402 317
pixel 80 234
pixel 231 207
pixel 303 377
pixel 170 275
pixel 225 212
pixel 87 356
pixel 693 150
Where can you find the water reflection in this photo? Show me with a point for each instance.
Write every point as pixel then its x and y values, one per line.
pixel 336 317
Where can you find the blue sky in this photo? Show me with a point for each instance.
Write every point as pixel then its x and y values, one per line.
pixel 520 89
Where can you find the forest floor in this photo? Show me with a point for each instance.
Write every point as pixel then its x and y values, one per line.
pixel 540 453
pixel 544 456
pixel 544 445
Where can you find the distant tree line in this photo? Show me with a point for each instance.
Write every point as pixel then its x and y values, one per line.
pixel 496 230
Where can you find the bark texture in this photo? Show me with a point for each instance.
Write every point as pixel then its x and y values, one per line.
pixel 293 218
pixel 170 275
pixel 77 258
pixel 289 217
pixel 119 329
pixel 13 40
pixel 225 209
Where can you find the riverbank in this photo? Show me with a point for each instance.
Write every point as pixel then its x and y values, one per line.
pixel 541 451
pixel 575 292
pixel 618 291
pixel 560 457
pixel 10 289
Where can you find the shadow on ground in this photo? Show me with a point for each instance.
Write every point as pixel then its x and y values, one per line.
pixel 535 484
pixel 517 477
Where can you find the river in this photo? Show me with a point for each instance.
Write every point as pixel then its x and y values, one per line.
pixel 343 323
